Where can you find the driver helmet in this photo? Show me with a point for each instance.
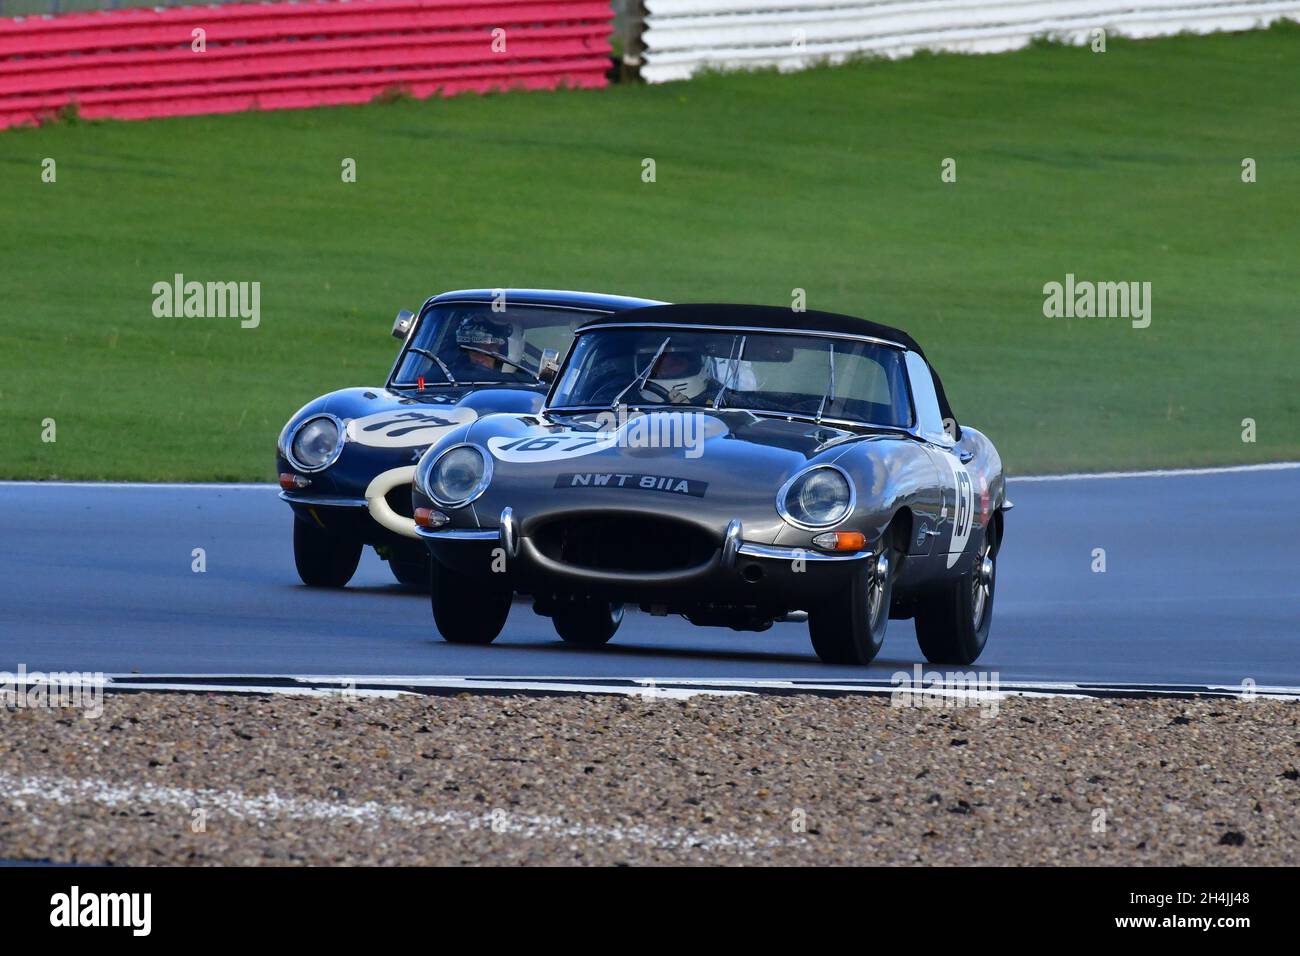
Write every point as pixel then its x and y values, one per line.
pixel 683 374
pixel 481 332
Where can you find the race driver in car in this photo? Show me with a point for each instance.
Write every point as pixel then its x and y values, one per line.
pixel 485 344
pixel 686 376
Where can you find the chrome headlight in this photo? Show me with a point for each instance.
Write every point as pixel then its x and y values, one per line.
pixel 316 443
pixel 819 497
pixel 456 476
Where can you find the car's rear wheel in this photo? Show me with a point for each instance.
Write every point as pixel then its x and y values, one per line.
pixel 952 624
pixel 589 624
pixel 323 560
pixel 468 609
pixel 850 628
pixel 412 573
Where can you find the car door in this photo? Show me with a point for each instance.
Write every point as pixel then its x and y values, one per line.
pixel 956 490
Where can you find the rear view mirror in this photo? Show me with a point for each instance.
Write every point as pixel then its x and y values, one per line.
pixel 549 365
pixel 768 348
pixel 402 324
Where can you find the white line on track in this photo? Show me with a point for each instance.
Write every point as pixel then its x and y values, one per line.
pixel 1074 476
pixel 198 687
pixel 25 790
pixel 340 687
pixel 150 485
pixel 1160 472
pixel 975 686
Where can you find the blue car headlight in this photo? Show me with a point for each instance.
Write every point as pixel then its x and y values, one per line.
pixel 819 497
pixel 455 477
pixel 316 443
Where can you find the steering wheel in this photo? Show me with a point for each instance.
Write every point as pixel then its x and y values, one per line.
pixel 657 390
pixel 604 394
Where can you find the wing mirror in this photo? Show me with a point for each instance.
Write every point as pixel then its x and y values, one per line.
pixel 549 365
pixel 402 324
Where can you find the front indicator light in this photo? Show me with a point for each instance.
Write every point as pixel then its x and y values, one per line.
pixel 292 482
pixel 430 518
pixel 841 541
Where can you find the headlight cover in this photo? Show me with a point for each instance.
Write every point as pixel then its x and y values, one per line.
pixel 316 443
pixel 819 497
pixel 457 476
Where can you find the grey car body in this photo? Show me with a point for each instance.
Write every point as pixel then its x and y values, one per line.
pixel 576 513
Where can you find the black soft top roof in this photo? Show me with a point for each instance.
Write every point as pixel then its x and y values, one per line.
pixel 761 316
pixel 775 317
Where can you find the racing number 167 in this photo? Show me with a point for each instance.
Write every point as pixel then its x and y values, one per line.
pixel 545 444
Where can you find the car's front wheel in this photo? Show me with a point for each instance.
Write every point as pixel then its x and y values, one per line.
pixel 952 625
pixel 850 628
pixel 468 609
pixel 323 560
pixel 589 624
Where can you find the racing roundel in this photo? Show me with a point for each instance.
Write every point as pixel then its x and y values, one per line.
pixel 403 428
pixel 551 447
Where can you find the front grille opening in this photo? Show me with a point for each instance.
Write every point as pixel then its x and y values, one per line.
pixel 399 499
pixel 630 543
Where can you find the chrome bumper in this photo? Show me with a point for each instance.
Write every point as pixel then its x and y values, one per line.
pixel 459 534
pixel 773 552
pixel 326 501
pixel 374 501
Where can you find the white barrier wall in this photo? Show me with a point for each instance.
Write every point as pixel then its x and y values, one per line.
pixel 682 36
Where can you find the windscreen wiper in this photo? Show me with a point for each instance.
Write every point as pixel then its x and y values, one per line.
pixel 829 394
pixel 734 361
pixel 642 376
pixel 441 364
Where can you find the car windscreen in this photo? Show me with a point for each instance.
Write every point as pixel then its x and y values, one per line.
pixel 471 343
pixel 761 371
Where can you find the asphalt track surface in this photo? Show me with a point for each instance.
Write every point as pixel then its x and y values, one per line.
pixel 1200 586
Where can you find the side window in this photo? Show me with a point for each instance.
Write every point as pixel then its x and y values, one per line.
pixel 928 415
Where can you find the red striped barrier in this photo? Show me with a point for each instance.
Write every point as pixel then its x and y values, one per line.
pixel 134 64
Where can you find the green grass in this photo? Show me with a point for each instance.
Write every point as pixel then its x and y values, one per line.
pixel 1118 166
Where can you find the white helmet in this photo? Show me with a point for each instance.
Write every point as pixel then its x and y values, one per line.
pixel 683 375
